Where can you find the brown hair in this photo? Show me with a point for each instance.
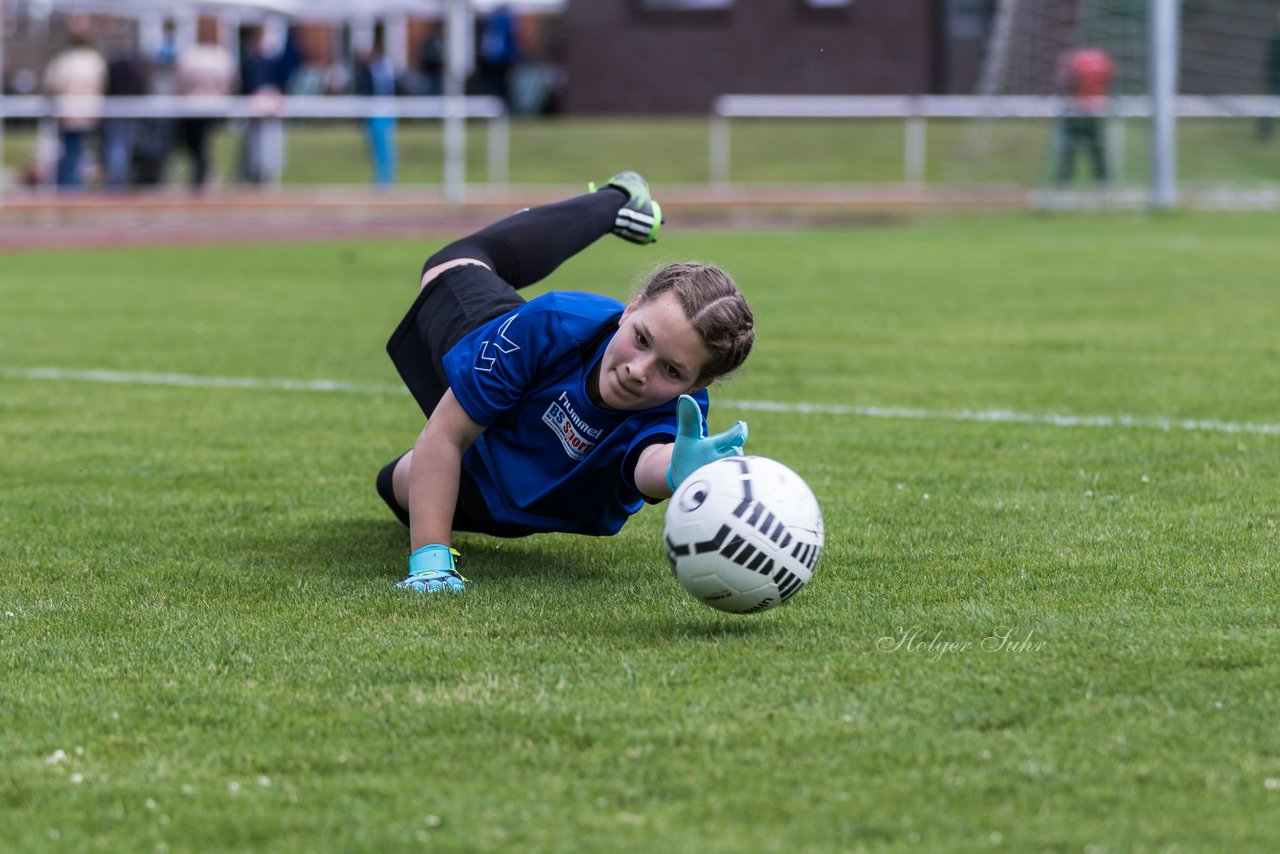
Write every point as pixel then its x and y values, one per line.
pixel 720 315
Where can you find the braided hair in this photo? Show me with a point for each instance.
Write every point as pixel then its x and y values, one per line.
pixel 718 312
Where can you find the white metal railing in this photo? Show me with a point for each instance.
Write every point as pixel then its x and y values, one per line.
pixel 915 110
pixel 453 111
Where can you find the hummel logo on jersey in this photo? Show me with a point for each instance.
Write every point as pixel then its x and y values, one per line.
pixel 576 435
pixel 489 350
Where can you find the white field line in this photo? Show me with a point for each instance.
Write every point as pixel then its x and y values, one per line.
pixel 193 381
pixel 984 415
pixel 1011 417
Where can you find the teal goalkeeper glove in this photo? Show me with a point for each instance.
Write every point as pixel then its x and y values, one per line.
pixel 434 568
pixel 693 450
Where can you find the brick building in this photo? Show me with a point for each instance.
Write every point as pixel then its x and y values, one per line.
pixel 678 55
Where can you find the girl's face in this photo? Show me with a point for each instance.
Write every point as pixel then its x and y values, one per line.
pixel 655 357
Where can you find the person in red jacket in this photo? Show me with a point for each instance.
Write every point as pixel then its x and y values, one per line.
pixel 1084 79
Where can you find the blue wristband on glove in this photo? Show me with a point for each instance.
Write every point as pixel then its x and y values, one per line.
pixel 692 449
pixel 433 558
pixel 434 568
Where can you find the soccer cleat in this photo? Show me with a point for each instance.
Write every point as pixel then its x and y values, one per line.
pixel 434 568
pixel 640 218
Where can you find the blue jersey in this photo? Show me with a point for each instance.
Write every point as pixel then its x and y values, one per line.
pixel 549 458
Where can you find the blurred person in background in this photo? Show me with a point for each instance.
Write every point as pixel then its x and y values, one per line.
pixel 77 79
pixel 126 77
pixel 376 78
pixel 167 51
pixel 260 152
pixel 156 133
pixel 289 61
pixel 1271 74
pixel 431 60
pixel 1084 78
pixel 499 52
pixel 207 69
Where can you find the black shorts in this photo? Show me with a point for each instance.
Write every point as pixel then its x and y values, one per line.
pixel 454 303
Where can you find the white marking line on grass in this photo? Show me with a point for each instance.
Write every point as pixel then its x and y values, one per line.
pixel 1009 416
pixel 987 415
pixel 193 381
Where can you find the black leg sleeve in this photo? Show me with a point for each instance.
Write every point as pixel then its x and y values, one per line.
pixel 527 246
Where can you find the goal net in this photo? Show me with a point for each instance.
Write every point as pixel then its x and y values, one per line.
pixel 1228 61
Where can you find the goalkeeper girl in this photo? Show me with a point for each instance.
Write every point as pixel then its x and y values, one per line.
pixel 564 413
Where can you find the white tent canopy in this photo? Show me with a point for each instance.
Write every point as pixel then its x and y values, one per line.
pixel 300 9
pixel 138 8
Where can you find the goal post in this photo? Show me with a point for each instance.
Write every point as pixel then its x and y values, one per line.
pixel 1164 16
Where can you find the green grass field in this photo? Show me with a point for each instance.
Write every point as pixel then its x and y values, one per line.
pixel 203 650
pixel 572 150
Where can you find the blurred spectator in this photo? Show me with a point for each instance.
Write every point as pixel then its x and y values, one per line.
pixel 77 78
pixel 126 77
pixel 167 52
pixel 289 61
pixel 262 146
pixel 375 77
pixel 431 60
pixel 156 134
pixel 1272 75
pixel 538 83
pixel 1084 79
pixel 206 69
pixel 499 52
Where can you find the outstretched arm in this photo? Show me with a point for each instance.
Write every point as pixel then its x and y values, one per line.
pixel 662 467
pixel 434 472
pixel 651 471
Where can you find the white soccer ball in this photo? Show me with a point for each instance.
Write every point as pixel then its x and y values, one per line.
pixel 743 534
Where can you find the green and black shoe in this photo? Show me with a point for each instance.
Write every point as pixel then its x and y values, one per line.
pixel 640 218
